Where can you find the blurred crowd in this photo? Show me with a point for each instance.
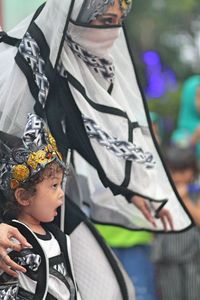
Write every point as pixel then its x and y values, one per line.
pixel 166 266
pixel 176 256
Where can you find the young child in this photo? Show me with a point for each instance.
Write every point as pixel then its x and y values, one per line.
pixel 177 256
pixel 31 175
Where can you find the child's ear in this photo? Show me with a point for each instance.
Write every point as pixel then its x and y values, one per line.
pixel 21 197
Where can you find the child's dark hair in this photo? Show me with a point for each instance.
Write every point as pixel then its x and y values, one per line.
pixel 178 159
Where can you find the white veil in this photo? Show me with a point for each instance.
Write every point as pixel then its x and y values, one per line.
pixel 129 137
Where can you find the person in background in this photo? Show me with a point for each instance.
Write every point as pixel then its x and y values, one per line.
pixel 187 132
pixel 133 250
pixel 31 176
pixel 156 126
pixel 177 256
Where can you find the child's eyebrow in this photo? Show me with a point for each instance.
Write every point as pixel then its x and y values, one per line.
pixel 56 176
pixel 52 177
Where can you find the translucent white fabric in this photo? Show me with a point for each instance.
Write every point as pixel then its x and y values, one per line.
pixel 16 101
pixel 89 259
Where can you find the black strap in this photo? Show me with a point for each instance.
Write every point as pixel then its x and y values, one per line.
pixel 12 41
pixel 110 257
pixel 24 295
pixel 42 275
pixel 50 297
pixel 8 39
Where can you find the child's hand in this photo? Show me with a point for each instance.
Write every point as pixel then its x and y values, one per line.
pixel 8 232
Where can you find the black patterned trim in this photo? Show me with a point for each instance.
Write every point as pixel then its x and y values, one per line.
pixel 125 30
pixel 9 40
pixel 99 107
pixel 42 273
pixel 36 66
pixel 116 270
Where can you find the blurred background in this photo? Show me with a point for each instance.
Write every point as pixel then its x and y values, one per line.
pixel 165 41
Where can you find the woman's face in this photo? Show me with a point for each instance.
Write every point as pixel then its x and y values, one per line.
pixel 112 16
pixel 104 12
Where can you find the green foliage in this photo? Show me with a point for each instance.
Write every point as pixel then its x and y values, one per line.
pixel 158 25
pixel 167 106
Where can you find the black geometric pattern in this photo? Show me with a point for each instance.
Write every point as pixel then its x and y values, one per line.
pixel 122 149
pixel 101 66
pixel 32 261
pixel 58 269
pixel 30 50
pixel 8 292
pixel 34 133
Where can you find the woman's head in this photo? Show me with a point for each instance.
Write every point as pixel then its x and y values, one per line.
pixel 94 27
pixel 189 116
pixel 189 113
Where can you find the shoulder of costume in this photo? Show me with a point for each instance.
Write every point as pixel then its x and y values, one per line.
pixel 29 235
pixel 60 236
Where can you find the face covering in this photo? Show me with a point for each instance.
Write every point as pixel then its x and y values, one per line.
pixel 97 41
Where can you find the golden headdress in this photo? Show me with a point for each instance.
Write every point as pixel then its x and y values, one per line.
pixel 38 149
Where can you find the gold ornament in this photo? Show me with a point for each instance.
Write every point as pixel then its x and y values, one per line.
pixel 20 172
pixel 36 158
pixel 52 141
pixel 59 155
pixel 125 4
pixel 14 184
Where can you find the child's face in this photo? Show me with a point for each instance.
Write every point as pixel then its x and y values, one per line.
pixel 48 197
pixel 185 176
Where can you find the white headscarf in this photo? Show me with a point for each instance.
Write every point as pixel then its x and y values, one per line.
pixel 117 123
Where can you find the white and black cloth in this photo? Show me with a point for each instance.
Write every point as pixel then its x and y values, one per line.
pixel 49 271
pixel 94 106
pixel 103 280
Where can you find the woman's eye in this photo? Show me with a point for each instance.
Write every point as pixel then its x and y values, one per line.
pixel 55 185
pixel 108 21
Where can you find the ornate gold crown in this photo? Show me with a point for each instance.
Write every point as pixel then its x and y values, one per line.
pixel 125 6
pixel 19 164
